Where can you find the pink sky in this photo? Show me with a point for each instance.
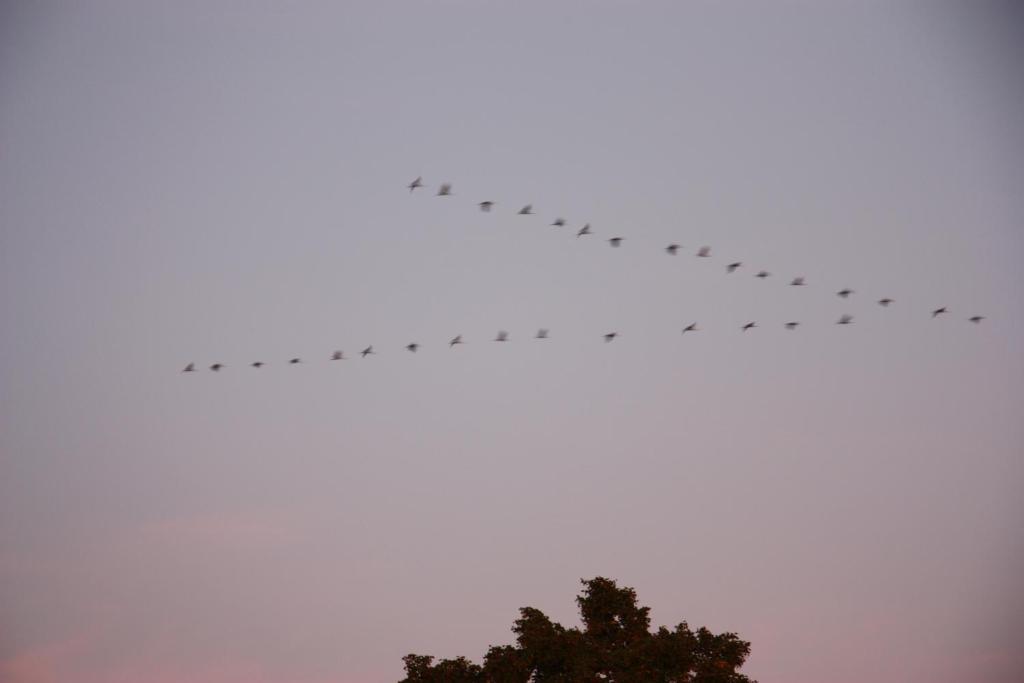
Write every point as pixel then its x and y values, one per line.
pixel 225 182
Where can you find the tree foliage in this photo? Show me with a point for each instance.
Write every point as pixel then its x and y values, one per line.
pixel 614 645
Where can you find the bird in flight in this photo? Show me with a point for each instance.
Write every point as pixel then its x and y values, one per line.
pixel 845 320
pixel 585 230
pixel 610 336
pixel 692 327
pixel 844 293
pixel 337 355
pixel 672 249
pixel 455 340
pixel 486 206
pixel 615 241
pixel 416 183
pixel 749 326
pixel 501 336
pixel 762 274
pixel 368 351
pixel 884 302
pixel 294 361
pixel 445 190
pixel 216 367
pixel 191 367
pixel 258 364
pixel 797 282
pixel 731 268
pixel 791 325
pixel 542 334
pixel 412 347
pixel 976 319
pixel 704 252
pixel 526 210
pixel 559 222
pixel 938 311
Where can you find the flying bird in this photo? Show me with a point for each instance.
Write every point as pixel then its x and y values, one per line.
pixel 585 230
pixel 762 274
pixel 704 252
pixel 412 347
pixel 844 293
pixel 416 183
pixel 845 320
pixel 486 206
pixel 615 241
pixel 294 361
pixel 559 222
pixel 526 210
pixel 884 302
pixel 542 334
pixel 191 367
pixel 610 336
pixel 976 319
pixel 455 340
pixel 749 326
pixel 501 336
pixel 733 266
pixel 791 325
pixel 368 351
pixel 258 364
pixel 692 327
pixel 797 282
pixel 938 311
pixel 216 367
pixel 672 249
pixel 445 190
pixel 337 355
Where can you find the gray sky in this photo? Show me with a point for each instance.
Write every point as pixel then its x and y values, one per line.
pixel 209 181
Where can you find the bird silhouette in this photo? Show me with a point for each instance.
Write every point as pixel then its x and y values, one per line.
pixel 845 320
pixel 445 190
pixel 976 319
pixel 416 183
pixel 762 274
pixel 412 347
pixel 938 311
pixel 797 282
pixel 884 302
pixel 704 252
pixel 559 222
pixel 610 336
pixel 216 367
pixel 791 325
pixel 337 355
pixel 615 241
pixel 845 293
pixel 749 326
pixel 526 210
pixel 731 268
pixel 672 249
pixel 191 367
pixel 455 340
pixel 542 334
pixel 692 327
pixel 257 364
pixel 294 361
pixel 486 206
pixel 501 336
pixel 368 351
pixel 585 230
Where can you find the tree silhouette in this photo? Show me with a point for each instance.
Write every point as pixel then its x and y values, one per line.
pixel 615 645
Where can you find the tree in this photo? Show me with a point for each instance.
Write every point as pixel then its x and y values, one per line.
pixel 615 645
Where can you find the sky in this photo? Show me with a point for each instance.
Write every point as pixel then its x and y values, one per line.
pixel 226 182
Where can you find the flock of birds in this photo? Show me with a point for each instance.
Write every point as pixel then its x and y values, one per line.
pixel 486 206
